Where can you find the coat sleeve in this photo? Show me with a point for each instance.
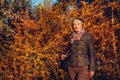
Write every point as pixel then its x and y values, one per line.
pixel 68 49
pixel 91 53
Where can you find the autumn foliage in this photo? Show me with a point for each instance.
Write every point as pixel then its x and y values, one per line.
pixel 31 50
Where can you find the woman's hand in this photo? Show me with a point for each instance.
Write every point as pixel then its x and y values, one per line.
pixel 63 56
pixel 91 74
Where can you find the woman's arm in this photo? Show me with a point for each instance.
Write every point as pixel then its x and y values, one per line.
pixel 91 55
pixel 66 52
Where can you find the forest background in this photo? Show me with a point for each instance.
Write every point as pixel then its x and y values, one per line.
pixel 31 39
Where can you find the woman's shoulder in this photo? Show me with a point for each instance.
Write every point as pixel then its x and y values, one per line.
pixel 87 35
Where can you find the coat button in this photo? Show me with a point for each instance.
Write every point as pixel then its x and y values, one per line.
pixel 76 56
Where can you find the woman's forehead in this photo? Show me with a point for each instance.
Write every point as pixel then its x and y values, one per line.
pixel 77 20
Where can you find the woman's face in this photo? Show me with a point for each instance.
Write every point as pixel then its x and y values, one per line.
pixel 77 25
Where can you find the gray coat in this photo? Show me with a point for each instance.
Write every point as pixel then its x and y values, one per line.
pixel 81 52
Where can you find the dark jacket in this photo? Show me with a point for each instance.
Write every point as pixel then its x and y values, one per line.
pixel 81 52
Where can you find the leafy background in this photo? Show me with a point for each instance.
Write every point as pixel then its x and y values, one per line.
pixel 31 39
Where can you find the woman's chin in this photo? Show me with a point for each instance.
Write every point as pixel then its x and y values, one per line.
pixel 77 30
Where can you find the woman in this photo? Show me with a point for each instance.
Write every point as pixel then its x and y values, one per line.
pixel 81 64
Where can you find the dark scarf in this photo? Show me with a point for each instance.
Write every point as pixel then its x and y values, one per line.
pixel 77 36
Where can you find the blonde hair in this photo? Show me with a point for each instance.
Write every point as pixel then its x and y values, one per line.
pixel 77 19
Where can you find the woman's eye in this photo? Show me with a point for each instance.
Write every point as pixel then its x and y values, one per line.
pixel 74 24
